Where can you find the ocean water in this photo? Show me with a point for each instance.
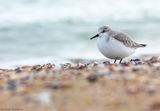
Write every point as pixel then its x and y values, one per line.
pixel 40 31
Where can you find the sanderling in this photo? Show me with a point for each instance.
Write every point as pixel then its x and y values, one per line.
pixel 115 45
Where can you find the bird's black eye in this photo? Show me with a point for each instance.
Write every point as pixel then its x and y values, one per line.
pixel 103 31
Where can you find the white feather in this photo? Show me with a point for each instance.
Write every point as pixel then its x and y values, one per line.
pixel 112 48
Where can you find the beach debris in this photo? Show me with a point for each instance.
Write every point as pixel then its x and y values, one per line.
pixel 18 70
pixel 92 78
pixel 95 63
pixel 154 59
pixel 106 62
pixel 81 66
pixel 66 66
pixel 73 66
pixel 135 60
pixel 37 68
pixel 49 66
pixel 55 85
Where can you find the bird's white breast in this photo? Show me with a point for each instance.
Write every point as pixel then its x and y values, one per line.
pixel 113 48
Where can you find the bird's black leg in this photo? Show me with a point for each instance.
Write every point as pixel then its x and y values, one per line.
pixel 115 60
pixel 120 61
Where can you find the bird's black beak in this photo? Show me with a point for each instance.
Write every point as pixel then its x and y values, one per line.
pixel 94 36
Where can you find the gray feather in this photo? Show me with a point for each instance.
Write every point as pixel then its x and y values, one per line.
pixel 123 38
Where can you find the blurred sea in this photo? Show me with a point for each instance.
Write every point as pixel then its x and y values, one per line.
pixel 37 31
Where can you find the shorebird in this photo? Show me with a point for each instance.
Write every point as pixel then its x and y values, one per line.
pixel 115 45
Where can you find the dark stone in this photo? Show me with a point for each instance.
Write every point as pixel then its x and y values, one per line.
pixel 37 67
pixel 18 70
pixel 92 78
pixel 135 60
pixel 106 63
pixel 135 69
pixel 55 85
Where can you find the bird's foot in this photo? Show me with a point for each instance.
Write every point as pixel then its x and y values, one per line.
pixel 120 61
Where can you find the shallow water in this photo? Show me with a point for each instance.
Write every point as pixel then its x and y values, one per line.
pixel 35 29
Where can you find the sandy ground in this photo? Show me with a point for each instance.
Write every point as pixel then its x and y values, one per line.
pixel 93 86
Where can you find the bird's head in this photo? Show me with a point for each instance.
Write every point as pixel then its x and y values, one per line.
pixel 102 31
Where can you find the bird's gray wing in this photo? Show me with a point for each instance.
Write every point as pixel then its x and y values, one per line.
pixel 123 38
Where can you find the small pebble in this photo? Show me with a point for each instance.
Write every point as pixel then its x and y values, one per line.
pixel 92 78
pixel 18 70
pixel 66 66
pixel 155 59
pixel 106 63
pixel 55 85
pixel 81 66
pixel 73 66
pixel 95 63
pixel 37 68
pixel 135 60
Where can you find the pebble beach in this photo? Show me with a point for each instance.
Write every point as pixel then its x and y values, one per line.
pixel 91 86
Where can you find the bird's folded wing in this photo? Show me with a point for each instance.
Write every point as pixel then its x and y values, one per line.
pixel 126 40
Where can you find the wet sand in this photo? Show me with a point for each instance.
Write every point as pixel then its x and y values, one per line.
pixel 90 86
